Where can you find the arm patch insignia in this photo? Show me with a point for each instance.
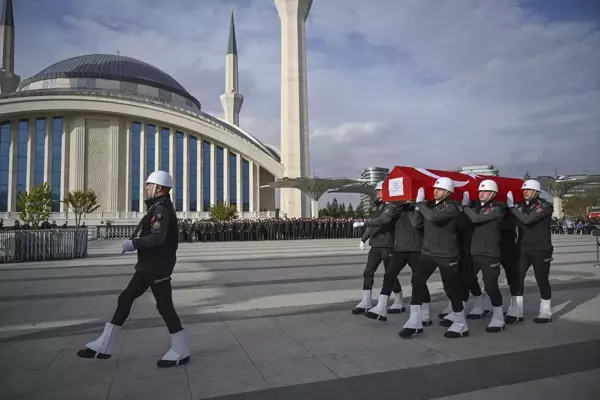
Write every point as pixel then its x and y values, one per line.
pixel 156 225
pixel 488 211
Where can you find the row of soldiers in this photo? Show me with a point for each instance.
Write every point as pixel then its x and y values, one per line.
pixel 207 230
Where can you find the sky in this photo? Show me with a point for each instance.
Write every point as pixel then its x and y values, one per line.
pixel 429 83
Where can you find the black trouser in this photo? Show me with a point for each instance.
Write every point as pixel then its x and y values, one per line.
pixel 509 259
pixel 450 271
pixel 541 268
pixel 163 294
pixel 375 257
pixel 397 264
pixel 469 283
pixel 490 269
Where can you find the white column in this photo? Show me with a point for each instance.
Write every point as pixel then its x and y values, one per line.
pixel 239 182
pixel 77 158
pixel 257 188
pixel 226 178
pixel 128 150
pixel 143 162
pixel 65 153
pixel 48 144
pixel 29 178
pixel 157 149
pixel 557 205
pixel 186 171
pixel 113 191
pixel 12 166
pixel 252 184
pixel 172 155
pixel 199 170
pixel 213 174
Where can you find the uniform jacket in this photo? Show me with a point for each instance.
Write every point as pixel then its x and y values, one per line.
pixel 408 235
pixel 381 227
pixel 534 219
pixel 158 241
pixel 482 236
pixel 440 236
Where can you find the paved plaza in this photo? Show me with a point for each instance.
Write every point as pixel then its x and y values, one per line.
pixel 271 320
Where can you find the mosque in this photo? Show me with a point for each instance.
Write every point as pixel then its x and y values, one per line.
pixel 103 122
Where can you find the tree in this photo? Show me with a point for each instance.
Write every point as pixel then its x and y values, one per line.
pixel 36 205
pixel 350 211
pixel 575 206
pixel 81 202
pixel 223 212
pixel 360 211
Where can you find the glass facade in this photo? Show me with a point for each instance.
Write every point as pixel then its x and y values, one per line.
pixel 193 173
pixel 22 159
pixel 164 150
pixel 57 128
pixel 232 179
pixel 4 162
pixel 220 176
pixel 136 136
pixel 205 175
pixel 246 185
pixel 178 171
pixel 150 149
pixel 40 139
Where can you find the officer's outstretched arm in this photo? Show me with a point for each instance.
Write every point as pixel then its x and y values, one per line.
pixel 366 235
pixel 388 214
pixel 481 217
pixel 541 212
pixel 416 219
pixel 438 214
pixel 159 225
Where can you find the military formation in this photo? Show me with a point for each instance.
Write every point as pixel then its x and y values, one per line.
pixel 268 229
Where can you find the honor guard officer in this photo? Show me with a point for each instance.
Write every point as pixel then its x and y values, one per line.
pixel 486 216
pixel 380 232
pixel 440 249
pixel 156 253
pixel 534 218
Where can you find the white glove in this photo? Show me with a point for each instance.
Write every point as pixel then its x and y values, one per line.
pixel 361 245
pixel 420 195
pixel 355 225
pixel 360 224
pixel 510 200
pixel 465 200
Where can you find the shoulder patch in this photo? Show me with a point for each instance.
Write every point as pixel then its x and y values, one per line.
pixel 158 216
pixel 488 210
pixel 156 224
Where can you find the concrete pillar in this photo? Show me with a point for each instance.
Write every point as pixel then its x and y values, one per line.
pixel 172 155
pixel 128 155
pixel 113 184
pixel 186 171
pixel 65 161
pixel 199 170
pixel 48 141
pixel 314 208
pixel 77 154
pixel 157 149
pixel 226 194
pixel 252 181
pixel 557 204
pixel 239 182
pixel 30 174
pixel 12 166
pixel 295 154
pixel 143 161
pixel 257 183
pixel 213 174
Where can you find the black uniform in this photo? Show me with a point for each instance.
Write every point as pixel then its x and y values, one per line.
pixel 484 244
pixel 509 250
pixel 534 219
pixel 156 252
pixel 408 239
pixel 380 232
pixel 440 249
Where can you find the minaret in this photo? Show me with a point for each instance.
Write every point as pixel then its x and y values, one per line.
pixel 232 100
pixel 8 80
pixel 295 154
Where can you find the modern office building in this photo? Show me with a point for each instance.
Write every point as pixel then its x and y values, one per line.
pixel 105 121
pixel 487 170
pixel 372 175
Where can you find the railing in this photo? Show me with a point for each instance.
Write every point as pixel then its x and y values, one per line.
pixel 43 245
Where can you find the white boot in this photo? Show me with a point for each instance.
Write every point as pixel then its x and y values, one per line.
pixel 379 312
pixel 414 325
pixel 178 354
pixel 364 304
pixel 497 323
pixel 545 314
pixel 478 307
pixel 515 311
pixel 103 347
pixel 487 304
pixel 449 319
pixel 446 310
pixel 398 305
pixel 426 314
pixel 459 328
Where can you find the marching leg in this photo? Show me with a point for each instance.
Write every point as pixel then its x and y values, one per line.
pixel 395 265
pixel 514 313
pixel 541 269
pixel 452 284
pixel 426 266
pixel 373 260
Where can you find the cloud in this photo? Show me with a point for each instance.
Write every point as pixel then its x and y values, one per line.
pixel 431 83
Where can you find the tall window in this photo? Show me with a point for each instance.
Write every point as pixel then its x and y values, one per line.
pixel 232 179
pixel 179 171
pixel 193 173
pixel 136 136
pixel 22 158
pixel 150 149
pixel 206 172
pixel 164 150
pixel 220 177
pixel 246 185
pixel 40 139
pixel 4 158
pixel 57 128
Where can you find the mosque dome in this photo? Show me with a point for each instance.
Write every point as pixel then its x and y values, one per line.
pixel 112 72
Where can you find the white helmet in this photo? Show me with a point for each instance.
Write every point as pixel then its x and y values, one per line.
pixel 444 183
pixel 161 178
pixel 379 185
pixel 532 185
pixel 488 185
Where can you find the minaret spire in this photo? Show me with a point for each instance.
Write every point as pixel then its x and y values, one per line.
pixel 232 100
pixel 8 80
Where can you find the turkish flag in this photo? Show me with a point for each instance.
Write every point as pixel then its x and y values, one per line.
pixel 403 183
